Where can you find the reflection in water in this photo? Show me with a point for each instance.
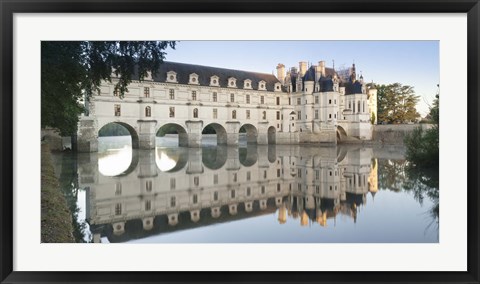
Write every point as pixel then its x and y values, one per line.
pixel 169 190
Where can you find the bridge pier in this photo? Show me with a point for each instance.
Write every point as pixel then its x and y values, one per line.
pixel 194 134
pixel 146 134
pixel 262 138
pixel 233 128
pixel 87 139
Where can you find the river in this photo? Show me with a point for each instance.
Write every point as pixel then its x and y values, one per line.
pixel 247 194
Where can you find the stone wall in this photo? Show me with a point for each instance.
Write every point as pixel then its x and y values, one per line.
pixel 394 133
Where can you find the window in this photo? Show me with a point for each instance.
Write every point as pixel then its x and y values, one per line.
pixel 148 186
pixel 172 183
pixel 316 99
pixel 215 113
pixel 196 181
pixel 118 189
pixel 248 114
pixel 317 189
pixel 232 194
pixel 215 196
pixel 172 112
pixel 299 101
pixel 232 98
pixel 118 209
pixel 363 106
pixel 358 106
pixel 146 92
pixel 299 115
pixel 264 115
pixel 278 187
pixel 195 113
pixel 172 94
pixel 148 205
pixel 317 174
pixel 234 114
pixel 316 114
pixel 329 115
pixel 289 101
pixel 262 100
pixel 215 179
pixel 278 115
pixel 334 102
pixel 214 96
pixel 194 95
pixel 234 177
pixel 278 99
pixel 173 201
pixel 299 173
pixel 249 191
pixel 117 110
pixel 248 99
pixel 278 172
pixel 329 102
pixel 116 92
pixel 263 189
pixel 195 198
pixel 264 174
pixel 148 111
pixel 248 175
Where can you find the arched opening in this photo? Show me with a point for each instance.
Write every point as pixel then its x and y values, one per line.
pixel 248 156
pixel 115 143
pixel 247 134
pixel 171 160
pixel 172 135
pixel 214 134
pixel 341 134
pixel 272 135
pixel 214 157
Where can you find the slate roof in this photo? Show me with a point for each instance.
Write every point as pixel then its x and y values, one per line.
pixel 204 73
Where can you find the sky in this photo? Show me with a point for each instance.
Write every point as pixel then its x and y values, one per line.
pixel 413 63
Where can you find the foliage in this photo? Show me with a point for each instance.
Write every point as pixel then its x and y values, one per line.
pixel 72 71
pixel 396 103
pixel 423 145
pixel 113 129
pixel 372 118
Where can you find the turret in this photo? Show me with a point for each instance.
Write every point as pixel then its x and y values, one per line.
pixel 353 74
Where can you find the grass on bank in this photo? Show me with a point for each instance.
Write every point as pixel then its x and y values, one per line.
pixel 56 226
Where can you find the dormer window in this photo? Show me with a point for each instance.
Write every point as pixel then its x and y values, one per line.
pixel 148 77
pixel 278 87
pixel 193 79
pixel 247 84
pixel 172 77
pixel 232 82
pixel 262 85
pixel 214 81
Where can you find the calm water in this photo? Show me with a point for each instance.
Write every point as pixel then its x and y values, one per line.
pixel 247 194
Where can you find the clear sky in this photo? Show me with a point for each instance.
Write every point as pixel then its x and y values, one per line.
pixel 414 63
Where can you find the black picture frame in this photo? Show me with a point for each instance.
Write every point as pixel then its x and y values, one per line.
pixel 10 7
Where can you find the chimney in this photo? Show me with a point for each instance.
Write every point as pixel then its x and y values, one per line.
pixel 321 64
pixel 303 67
pixel 281 73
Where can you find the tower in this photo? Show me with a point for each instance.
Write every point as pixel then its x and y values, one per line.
pixel 281 73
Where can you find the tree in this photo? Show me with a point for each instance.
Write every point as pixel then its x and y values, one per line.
pixel 396 103
pixel 72 71
pixel 423 145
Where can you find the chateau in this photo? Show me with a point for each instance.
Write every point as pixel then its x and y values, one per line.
pixel 308 104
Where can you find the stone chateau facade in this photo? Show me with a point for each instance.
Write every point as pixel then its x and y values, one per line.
pixel 308 104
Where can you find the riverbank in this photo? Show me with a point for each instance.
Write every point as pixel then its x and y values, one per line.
pixel 389 134
pixel 56 226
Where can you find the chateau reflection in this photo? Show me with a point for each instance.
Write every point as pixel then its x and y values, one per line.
pixel 173 189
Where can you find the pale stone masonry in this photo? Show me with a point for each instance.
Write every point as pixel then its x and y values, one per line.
pixel 312 104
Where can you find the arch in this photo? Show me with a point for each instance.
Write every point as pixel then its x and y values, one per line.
pixel 214 157
pixel 272 135
pixel 248 156
pixel 171 160
pixel 168 131
pixel 219 130
pixel 341 134
pixel 251 133
pixel 130 129
pixel 272 153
